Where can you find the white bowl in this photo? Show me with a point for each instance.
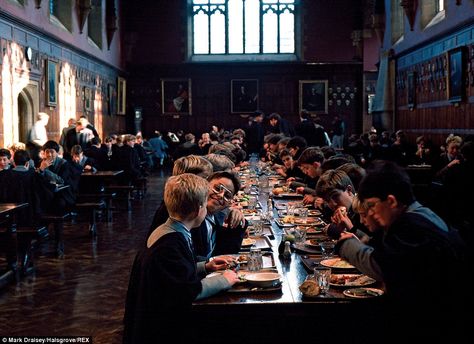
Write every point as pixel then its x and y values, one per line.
pixel 263 279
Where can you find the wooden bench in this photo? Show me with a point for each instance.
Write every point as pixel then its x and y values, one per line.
pixel 124 192
pixel 92 208
pixel 140 187
pixel 107 197
pixel 58 223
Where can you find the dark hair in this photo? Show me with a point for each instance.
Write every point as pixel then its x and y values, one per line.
pixel 240 155
pixel 297 142
pixel 284 141
pixel 284 152
pixel 76 150
pixel 274 116
pixel 333 162
pixel 274 139
pixel 213 136
pixel 95 141
pixel 330 181
pixel 386 178
pixel 5 152
pixel 355 172
pixel 229 175
pixel 328 151
pixel 21 157
pixel 467 151
pixel 311 155
pixel 51 145
pixel 304 114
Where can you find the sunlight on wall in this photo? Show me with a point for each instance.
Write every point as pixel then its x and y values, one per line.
pixel 66 95
pixel 15 77
pixel 98 112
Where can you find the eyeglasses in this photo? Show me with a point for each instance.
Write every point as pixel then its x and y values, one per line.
pixel 227 195
pixel 371 205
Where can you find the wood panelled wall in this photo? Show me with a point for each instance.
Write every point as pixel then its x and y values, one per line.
pixel 432 114
pixel 211 88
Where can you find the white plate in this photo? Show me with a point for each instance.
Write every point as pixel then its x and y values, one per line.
pixel 351 280
pixel 363 293
pixel 263 279
pixel 336 263
pixel 248 242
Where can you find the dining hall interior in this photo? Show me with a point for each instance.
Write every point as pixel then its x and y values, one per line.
pixel 306 122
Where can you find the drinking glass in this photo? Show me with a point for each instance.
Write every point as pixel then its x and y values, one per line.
pixel 322 275
pixel 255 259
pixel 327 249
pixel 258 228
pixel 300 234
pixel 252 203
pixel 303 214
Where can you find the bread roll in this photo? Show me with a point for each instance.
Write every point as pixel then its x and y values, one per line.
pixel 309 288
pixel 277 191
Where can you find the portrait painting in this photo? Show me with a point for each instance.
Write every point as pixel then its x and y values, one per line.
pixel 243 95
pixel 87 99
pixel 121 96
pixel 411 90
pixel 51 84
pixel 111 100
pixel 176 96
pixel 313 96
pixel 456 75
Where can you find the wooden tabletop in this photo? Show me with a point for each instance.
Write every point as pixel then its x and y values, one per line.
pixel 101 173
pixel 6 208
pixel 293 274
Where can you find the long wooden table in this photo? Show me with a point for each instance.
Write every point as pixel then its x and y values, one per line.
pixel 288 309
pixel 8 221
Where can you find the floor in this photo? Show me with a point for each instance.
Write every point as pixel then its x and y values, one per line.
pixel 84 293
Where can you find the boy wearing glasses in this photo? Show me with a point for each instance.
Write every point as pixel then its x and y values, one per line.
pixel 224 228
pixel 165 278
pixel 418 257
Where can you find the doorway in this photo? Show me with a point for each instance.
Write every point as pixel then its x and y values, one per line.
pixel 28 104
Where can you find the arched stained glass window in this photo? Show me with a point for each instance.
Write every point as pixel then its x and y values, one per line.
pixel 243 27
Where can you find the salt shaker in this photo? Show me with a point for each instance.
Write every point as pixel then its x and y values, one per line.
pixel 287 250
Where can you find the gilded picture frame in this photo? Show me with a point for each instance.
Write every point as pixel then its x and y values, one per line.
pixel 176 96
pixel 121 96
pixel 313 96
pixel 52 83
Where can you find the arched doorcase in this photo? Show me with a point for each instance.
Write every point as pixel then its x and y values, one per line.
pixel 28 107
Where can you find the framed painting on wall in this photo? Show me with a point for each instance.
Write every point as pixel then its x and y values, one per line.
pixel 111 99
pixel 121 96
pixel 456 75
pixel 313 96
pixel 176 97
pixel 87 99
pixel 52 83
pixel 411 89
pixel 243 95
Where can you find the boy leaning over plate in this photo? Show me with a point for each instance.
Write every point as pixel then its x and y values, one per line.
pixel 165 278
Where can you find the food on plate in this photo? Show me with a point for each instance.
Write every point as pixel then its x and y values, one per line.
pixel 277 191
pixel 337 263
pixel 312 242
pixel 351 280
pixel 309 288
pixel 288 219
pixel 242 258
pixel 249 211
pixel 248 242
pixel 244 203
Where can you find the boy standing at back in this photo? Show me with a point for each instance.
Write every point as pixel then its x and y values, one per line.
pixel 165 278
